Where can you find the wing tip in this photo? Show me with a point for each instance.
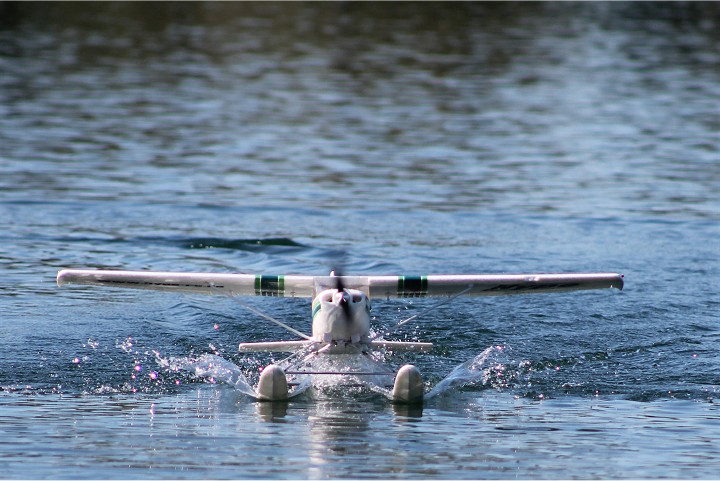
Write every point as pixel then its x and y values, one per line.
pixel 620 282
pixel 62 276
pixel 71 276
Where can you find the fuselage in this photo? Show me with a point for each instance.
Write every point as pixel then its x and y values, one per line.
pixel 341 316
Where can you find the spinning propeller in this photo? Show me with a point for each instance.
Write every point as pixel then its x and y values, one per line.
pixel 343 301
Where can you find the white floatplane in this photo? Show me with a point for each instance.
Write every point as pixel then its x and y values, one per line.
pixel 340 316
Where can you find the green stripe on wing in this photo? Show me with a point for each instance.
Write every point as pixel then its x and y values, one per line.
pixel 412 286
pixel 270 286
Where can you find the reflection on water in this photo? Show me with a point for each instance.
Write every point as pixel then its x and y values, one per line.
pixel 212 431
pixel 272 411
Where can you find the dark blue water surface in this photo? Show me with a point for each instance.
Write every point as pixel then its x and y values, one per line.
pixel 391 139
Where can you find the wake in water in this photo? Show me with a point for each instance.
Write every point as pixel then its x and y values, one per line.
pixel 480 369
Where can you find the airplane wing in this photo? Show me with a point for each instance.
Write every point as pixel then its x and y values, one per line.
pixel 373 286
pixel 193 282
pixel 489 284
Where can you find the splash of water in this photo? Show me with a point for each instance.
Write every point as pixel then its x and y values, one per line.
pixel 346 364
pixel 470 372
pixel 480 369
pixel 217 369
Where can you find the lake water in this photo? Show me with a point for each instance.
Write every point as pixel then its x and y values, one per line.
pixel 389 139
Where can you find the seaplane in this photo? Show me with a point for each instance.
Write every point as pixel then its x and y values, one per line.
pixel 342 345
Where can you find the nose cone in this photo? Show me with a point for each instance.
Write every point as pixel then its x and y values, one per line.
pixel 340 298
